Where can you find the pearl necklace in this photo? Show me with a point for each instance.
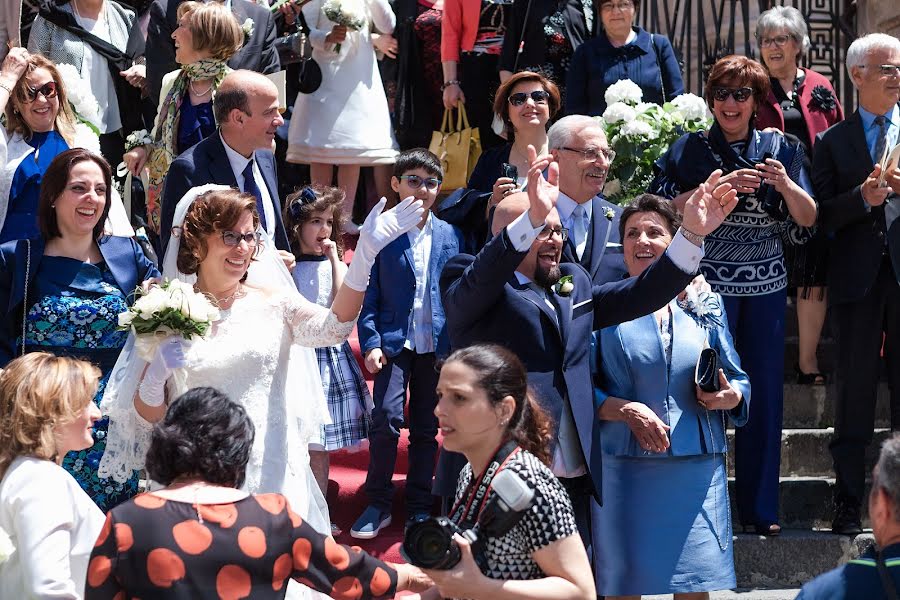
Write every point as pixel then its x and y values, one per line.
pixel 200 94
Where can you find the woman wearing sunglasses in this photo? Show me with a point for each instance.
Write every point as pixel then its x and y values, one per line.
pixel 801 103
pixel 39 125
pixel 526 102
pixel 745 260
pixel 261 349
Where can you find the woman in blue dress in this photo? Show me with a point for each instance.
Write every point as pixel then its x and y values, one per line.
pixel 63 290
pixel 665 512
pixel 745 258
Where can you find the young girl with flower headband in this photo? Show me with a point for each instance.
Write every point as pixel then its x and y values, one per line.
pixel 314 218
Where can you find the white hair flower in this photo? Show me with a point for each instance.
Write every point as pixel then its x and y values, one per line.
pixel 623 90
pixel 618 112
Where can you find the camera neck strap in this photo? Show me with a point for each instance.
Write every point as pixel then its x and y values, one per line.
pixel 468 507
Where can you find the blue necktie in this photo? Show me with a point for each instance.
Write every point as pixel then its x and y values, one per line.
pixel 250 187
pixel 881 140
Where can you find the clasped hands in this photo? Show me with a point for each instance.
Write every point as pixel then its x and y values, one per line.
pixel 875 194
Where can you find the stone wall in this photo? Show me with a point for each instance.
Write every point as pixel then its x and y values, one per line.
pixel 878 16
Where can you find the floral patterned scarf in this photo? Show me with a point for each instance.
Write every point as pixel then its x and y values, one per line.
pixel 162 152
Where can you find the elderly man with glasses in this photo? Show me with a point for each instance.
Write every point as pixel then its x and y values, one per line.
pixel 860 205
pixel 518 293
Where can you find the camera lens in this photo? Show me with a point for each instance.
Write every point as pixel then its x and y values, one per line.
pixel 429 544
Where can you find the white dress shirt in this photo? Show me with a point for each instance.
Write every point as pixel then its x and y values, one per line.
pixel 238 163
pixel 420 336
pixel 53 524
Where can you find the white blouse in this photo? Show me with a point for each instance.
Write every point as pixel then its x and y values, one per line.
pixel 53 525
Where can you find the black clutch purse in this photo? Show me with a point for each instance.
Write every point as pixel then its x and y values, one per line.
pixel 706 374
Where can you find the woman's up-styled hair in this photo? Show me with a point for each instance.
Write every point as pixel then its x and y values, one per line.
pixel 654 204
pixel 213 27
pixel 738 71
pixel 500 373
pixel 204 434
pixel 53 185
pixel 39 391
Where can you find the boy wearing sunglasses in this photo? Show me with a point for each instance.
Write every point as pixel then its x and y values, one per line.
pixel 402 334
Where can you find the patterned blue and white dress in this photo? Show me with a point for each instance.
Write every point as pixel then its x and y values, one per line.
pixel 346 393
pixel 77 315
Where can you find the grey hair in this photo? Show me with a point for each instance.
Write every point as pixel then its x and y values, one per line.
pixel 856 53
pixel 563 130
pixel 888 471
pixel 785 17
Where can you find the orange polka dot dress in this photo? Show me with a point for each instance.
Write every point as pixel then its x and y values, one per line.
pixel 155 548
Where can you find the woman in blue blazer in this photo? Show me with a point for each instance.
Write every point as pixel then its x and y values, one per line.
pixel 63 291
pixel 665 517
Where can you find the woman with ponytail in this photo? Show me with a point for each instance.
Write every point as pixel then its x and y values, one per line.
pixel 486 412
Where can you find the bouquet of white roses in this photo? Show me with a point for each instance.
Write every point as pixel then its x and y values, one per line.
pixel 349 13
pixel 640 132
pixel 173 308
pixel 81 98
pixel 6 546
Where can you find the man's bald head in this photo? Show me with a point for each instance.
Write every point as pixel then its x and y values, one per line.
pixel 237 89
pixel 508 210
pixel 246 111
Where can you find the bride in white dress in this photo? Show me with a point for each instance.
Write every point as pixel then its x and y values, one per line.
pixel 260 352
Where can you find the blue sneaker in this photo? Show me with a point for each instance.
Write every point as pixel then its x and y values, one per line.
pixel 370 523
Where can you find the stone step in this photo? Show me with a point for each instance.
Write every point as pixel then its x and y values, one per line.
pixel 812 406
pixel 741 594
pixel 793 558
pixel 804 452
pixel 805 503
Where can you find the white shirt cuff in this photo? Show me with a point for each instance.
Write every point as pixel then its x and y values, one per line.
pixel 684 253
pixel 522 234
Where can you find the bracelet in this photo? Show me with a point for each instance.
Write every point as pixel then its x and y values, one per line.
pixel 692 237
pixel 6 87
pixel 447 84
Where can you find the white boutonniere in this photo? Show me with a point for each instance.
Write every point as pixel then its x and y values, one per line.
pixel 608 213
pixel 564 287
pixel 247 26
pixel 6 546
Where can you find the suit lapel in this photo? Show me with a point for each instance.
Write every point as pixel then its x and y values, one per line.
pixel 858 145
pixel 121 265
pixel 563 313
pixel 218 163
pixel 601 228
pixel 527 292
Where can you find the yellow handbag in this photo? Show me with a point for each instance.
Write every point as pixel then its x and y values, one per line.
pixel 458 148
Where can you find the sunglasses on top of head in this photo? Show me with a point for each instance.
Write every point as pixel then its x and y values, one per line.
pixel 48 90
pixel 741 94
pixel 520 98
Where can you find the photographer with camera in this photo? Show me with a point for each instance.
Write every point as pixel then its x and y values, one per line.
pixel 511 519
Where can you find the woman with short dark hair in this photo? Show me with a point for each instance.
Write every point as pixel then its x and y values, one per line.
pixel 200 537
pixel 745 259
pixel 62 292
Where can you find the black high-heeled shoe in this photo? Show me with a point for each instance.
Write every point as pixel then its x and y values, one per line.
pixel 809 378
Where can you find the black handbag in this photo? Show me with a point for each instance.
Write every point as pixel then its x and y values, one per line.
pixel 310 73
pixel 706 373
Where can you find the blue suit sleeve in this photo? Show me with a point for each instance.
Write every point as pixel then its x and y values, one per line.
pixel 671 70
pixel 8 327
pixel 367 324
pixel 270 62
pixel 731 364
pixel 577 102
pixel 178 182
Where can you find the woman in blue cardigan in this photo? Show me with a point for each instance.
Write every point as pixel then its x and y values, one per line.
pixel 621 50
pixel 665 514
pixel 62 292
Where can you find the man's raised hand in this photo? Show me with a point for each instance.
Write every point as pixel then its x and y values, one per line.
pixel 709 205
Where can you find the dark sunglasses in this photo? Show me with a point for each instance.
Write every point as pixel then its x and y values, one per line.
pixel 48 90
pixel 415 182
pixel 306 196
pixel 233 238
pixel 520 98
pixel 741 94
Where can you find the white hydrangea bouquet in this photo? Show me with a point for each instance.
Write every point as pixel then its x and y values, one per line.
pixel 6 546
pixel 84 105
pixel 171 308
pixel 640 132
pixel 349 13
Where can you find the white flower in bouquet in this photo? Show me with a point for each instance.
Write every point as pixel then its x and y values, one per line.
pixel 173 308
pixel 349 13
pixel 623 90
pixel 645 107
pixel 691 107
pixel 7 548
pixel 638 129
pixel 87 138
pixel 618 112
pixel 80 96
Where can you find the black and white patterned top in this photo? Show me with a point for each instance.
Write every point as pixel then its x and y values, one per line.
pixel 549 519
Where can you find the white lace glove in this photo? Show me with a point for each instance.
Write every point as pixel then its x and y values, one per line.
pixel 169 356
pixel 379 230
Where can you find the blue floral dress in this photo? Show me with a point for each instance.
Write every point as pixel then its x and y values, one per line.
pixel 76 315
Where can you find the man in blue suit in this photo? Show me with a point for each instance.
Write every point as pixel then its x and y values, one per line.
pixel 512 294
pixel 402 333
pixel 239 155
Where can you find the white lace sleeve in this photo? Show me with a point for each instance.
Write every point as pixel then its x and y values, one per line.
pixel 312 325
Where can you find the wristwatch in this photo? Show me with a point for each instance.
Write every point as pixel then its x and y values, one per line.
pixel 692 237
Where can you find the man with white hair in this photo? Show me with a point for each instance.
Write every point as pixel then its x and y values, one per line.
pixel 579 146
pixel 877 571
pixel 859 206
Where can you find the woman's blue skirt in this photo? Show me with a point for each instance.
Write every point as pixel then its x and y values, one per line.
pixel 662 526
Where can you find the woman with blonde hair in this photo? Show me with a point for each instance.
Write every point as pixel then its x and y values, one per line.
pixel 208 35
pixel 45 412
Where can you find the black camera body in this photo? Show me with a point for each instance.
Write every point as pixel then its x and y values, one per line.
pixel 429 544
